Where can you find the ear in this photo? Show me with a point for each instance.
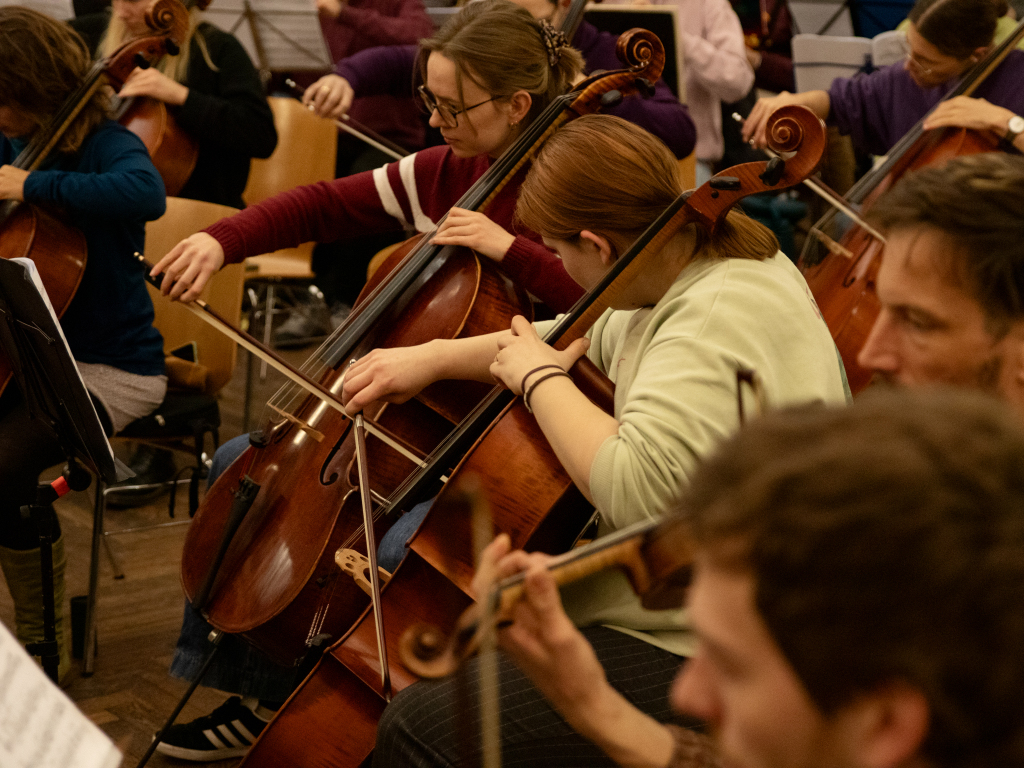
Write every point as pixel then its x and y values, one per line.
pixel 888 726
pixel 601 245
pixel 980 53
pixel 519 106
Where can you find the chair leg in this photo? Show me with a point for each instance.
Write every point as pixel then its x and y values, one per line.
pixel 94 570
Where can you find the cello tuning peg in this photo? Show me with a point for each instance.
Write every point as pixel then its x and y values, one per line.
pixel 611 99
pixel 773 171
pixel 645 87
pixel 725 183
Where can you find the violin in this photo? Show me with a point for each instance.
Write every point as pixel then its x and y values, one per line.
pixel 842 278
pixel 27 230
pixel 533 499
pixel 654 555
pixel 309 499
pixel 173 151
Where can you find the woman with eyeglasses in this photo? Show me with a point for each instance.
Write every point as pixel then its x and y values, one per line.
pixel 944 40
pixel 487 75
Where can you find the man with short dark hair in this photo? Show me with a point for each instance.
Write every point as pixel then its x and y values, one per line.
pixel 858 596
pixel 951 283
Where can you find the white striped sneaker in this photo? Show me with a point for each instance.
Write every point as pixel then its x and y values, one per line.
pixel 226 732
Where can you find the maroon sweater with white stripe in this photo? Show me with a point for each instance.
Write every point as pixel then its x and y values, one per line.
pixel 412 193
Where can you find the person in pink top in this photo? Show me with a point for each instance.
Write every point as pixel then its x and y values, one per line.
pixel 716 67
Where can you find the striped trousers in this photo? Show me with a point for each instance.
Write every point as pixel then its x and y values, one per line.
pixel 436 722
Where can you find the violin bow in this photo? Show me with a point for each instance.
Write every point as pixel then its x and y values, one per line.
pixel 208 315
pixel 357 129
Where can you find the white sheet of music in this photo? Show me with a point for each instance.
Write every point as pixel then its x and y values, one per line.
pixel 40 727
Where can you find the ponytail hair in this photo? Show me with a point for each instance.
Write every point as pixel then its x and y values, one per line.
pixel 613 178
pixel 501 47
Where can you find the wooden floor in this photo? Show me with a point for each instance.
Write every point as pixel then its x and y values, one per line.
pixel 131 694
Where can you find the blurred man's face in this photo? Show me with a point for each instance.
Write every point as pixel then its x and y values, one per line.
pixel 930 330
pixel 741 685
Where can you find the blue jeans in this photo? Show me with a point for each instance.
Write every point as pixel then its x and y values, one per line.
pixel 239 667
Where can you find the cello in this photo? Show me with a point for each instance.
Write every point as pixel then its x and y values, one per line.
pixel 173 151
pixel 29 231
pixel 842 278
pixel 277 584
pixel 530 493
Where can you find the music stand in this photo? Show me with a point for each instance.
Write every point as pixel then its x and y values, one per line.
pixel 54 393
pixel 279 35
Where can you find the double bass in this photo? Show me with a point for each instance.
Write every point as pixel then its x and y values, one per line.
pixel 277 584
pixel 27 230
pixel 842 277
pixel 331 719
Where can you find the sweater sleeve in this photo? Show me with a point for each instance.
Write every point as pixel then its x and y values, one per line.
pixel 236 116
pixel 716 59
pixel 540 271
pixel 385 70
pixel 408 24
pixel 125 183
pixel 323 212
pixel 861 107
pixel 662 115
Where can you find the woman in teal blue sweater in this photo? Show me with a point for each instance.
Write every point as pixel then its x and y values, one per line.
pixel 101 179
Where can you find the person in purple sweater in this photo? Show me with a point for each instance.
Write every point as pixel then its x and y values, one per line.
pixel 390 70
pixel 945 40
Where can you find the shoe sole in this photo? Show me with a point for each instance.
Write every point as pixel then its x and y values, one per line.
pixel 200 755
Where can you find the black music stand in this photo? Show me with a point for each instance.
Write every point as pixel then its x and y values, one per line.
pixel 54 393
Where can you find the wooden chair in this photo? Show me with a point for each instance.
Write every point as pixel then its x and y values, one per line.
pixel 184 419
pixel 307 146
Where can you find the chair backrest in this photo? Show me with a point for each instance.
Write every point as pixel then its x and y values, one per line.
pixel 223 293
pixel 306 150
pixel 819 59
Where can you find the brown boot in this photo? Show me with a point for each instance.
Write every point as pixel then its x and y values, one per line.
pixel 25 582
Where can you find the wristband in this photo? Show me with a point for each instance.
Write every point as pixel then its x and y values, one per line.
pixel 522 384
pixel 541 380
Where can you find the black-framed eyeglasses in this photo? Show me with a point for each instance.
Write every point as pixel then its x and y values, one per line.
pixel 449 117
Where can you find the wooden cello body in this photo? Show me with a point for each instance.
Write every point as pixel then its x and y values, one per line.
pixel 280 609
pixel 531 497
pixel 843 284
pixel 173 151
pixel 277 584
pixel 843 280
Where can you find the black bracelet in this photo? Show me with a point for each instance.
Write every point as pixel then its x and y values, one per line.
pixel 541 380
pixel 522 384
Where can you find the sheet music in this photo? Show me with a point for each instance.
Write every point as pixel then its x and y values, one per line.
pixel 40 727
pixel 279 35
pixel 30 267
pixel 62 10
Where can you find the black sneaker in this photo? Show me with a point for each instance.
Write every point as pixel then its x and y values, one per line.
pixel 152 466
pixel 226 732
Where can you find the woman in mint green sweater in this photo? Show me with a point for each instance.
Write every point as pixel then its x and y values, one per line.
pixel 707 306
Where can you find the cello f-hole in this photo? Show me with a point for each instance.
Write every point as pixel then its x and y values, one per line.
pixel 330 457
